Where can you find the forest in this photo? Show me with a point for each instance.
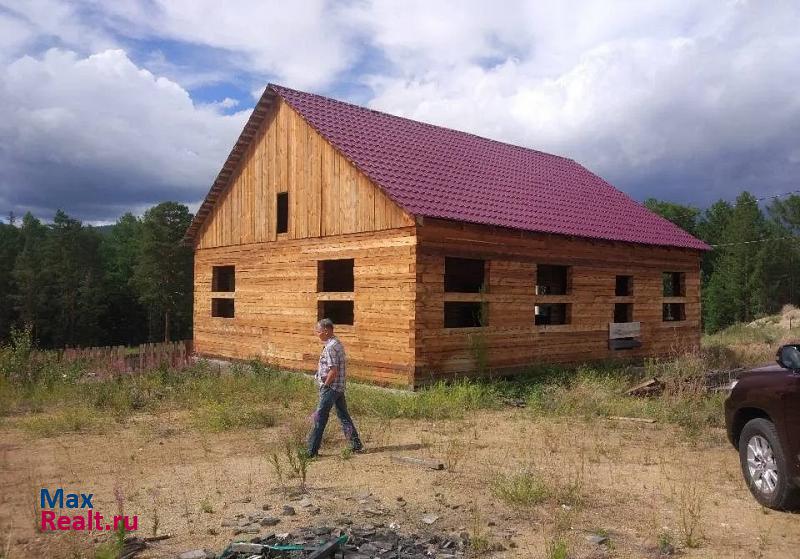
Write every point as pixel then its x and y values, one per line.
pixel 75 285
pixel 131 282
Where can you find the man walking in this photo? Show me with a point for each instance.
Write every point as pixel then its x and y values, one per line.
pixel 331 374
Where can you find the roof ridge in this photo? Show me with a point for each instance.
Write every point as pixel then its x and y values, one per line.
pixel 277 87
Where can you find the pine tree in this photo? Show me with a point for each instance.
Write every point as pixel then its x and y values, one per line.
pixel 73 283
pixel 126 318
pixel 29 298
pixel 737 289
pixel 684 217
pixel 783 256
pixel 9 247
pixel 163 271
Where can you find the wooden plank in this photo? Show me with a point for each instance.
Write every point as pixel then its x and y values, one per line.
pixel 429 464
pixel 618 330
pixel 632 419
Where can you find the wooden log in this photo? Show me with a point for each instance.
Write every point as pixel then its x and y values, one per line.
pixel 431 464
pixel 632 419
pixel 646 388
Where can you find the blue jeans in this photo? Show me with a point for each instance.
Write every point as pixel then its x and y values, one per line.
pixel 328 398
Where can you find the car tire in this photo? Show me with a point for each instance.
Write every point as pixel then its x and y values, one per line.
pixel 764 465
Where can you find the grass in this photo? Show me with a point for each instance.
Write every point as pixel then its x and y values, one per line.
pixel 558 549
pixel 46 398
pixel 255 396
pixel 524 489
pixel 226 416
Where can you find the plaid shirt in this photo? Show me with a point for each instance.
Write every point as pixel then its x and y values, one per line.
pixel 332 356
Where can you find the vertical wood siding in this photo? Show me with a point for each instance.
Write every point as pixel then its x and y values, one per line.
pixel 327 194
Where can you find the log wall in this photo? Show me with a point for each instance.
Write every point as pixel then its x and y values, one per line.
pixel 276 300
pixel 511 339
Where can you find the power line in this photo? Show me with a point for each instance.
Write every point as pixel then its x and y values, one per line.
pixel 777 195
pixel 733 202
pixel 756 241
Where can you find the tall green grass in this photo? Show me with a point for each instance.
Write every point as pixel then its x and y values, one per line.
pixel 48 397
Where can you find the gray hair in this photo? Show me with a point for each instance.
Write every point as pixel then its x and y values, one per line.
pixel 325 324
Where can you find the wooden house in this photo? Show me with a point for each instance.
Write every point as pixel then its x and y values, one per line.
pixel 436 252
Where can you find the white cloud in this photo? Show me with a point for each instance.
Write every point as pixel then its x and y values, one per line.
pixel 684 100
pixel 90 131
pixel 302 44
pixel 677 96
pixel 60 21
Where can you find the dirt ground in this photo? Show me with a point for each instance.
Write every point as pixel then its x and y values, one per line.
pixel 636 483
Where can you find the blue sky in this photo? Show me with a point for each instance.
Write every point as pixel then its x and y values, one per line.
pixel 113 107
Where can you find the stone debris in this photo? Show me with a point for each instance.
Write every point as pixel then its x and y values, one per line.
pixel 131 546
pixel 363 541
pixel 596 539
pixel 197 554
pixel 429 519
pixel 288 511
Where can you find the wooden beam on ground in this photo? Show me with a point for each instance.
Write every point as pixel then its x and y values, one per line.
pixel 432 464
pixel 633 419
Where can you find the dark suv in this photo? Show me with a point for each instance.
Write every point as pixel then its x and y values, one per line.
pixel 762 414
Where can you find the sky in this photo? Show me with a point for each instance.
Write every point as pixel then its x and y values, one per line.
pixel 110 107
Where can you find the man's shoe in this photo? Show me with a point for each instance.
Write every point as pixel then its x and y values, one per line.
pixel 359 450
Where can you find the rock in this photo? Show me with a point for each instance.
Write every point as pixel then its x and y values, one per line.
pixel 245 547
pixel 195 554
pixel 373 512
pixel 265 506
pixel 288 511
pixel 305 502
pixel 248 530
pixel 229 523
pixel 429 519
pixel 270 521
pixel 597 540
pixel 315 511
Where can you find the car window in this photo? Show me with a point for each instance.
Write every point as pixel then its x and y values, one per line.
pixel 790 356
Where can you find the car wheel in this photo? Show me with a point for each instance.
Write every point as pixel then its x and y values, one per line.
pixel 764 465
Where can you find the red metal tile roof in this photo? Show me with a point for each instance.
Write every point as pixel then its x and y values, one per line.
pixel 438 172
pixel 432 171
